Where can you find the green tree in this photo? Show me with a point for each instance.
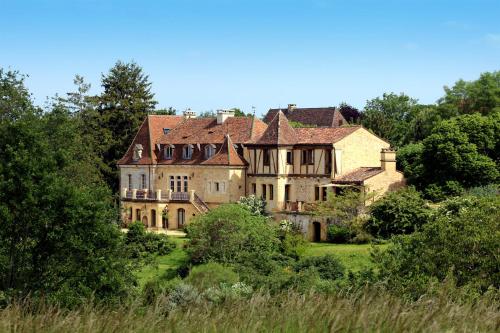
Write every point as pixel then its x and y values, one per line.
pixel 230 234
pixel 449 156
pixel 399 212
pixel 467 97
pixel 15 99
pixel 122 106
pixel 170 111
pixel 58 235
pixel 389 116
pixel 461 243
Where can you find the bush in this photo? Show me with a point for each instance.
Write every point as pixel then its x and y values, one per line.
pixel 230 234
pixel 328 267
pixel 211 275
pixel 436 192
pixel 339 233
pixel 399 212
pixel 141 243
pixel 461 243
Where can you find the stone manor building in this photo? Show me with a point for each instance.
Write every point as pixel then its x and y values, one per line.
pixel 180 166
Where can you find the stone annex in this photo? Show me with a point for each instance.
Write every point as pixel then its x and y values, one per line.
pixel 180 166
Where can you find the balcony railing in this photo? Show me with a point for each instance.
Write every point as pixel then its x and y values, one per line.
pixel 158 195
pixel 180 196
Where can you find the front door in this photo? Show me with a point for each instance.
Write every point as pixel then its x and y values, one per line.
pixel 181 216
pixel 316 232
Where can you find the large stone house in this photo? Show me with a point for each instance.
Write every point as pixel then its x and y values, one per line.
pixel 180 166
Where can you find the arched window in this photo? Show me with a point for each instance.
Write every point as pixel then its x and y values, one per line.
pixel 209 151
pixel 153 218
pixel 169 152
pixel 187 152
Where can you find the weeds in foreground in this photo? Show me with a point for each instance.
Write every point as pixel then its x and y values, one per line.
pixel 287 312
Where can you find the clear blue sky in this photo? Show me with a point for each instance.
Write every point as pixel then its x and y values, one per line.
pixel 222 53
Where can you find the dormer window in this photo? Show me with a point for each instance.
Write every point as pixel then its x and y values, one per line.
pixel 137 152
pixel 166 130
pixel 168 152
pixel 209 151
pixel 187 152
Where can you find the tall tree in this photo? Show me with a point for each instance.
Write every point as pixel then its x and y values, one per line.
pixel 389 116
pixel 125 101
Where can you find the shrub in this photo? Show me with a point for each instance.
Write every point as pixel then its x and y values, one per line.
pixel 339 233
pixel 254 204
pixel 140 243
pixel 211 275
pixel 461 243
pixel 399 212
pixel 328 267
pixel 230 234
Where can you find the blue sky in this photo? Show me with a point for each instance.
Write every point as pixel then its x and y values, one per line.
pixel 216 54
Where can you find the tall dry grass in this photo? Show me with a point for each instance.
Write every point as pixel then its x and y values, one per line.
pixel 290 312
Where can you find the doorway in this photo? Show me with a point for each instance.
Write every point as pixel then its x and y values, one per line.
pixel 316 232
pixel 181 218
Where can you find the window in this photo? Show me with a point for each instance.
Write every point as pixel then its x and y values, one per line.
pixel 217 186
pixel 266 156
pixel 316 193
pixel 271 192
pixel 289 157
pixel 129 214
pixel 153 218
pixel 307 156
pixel 169 152
pixel 341 122
pixel 209 151
pixel 324 193
pixel 254 188
pixel 264 188
pixel 129 181
pixel 181 217
pixel 187 152
pixel 185 183
pixel 179 184
pixel 172 183
pixel 287 192
pixel 137 214
pixel 143 181
pixel 328 161
pixel 166 130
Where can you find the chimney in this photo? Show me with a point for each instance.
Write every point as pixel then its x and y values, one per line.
pixel 222 115
pixel 291 107
pixel 388 159
pixel 189 114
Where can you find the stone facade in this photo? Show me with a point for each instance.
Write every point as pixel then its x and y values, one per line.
pixel 194 165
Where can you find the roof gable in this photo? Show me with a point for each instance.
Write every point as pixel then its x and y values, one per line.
pixel 278 132
pixel 226 155
pixel 320 117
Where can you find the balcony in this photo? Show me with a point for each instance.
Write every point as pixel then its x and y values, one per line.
pixel 158 195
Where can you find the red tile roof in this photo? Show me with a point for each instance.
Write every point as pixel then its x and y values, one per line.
pixel 206 130
pixel 320 117
pixel 278 132
pixel 358 176
pixel 323 135
pixel 149 132
pixel 226 155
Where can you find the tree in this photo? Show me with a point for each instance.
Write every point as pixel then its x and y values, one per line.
pixel 58 235
pixel 230 234
pixel 15 99
pixel 350 113
pixel 389 116
pixel 467 97
pixel 399 212
pixel 122 106
pixel 460 243
pixel 449 156
pixel 170 111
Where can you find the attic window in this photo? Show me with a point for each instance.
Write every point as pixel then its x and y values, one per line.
pixel 166 130
pixel 210 132
pixel 137 152
pixel 209 151
pixel 169 152
pixel 187 152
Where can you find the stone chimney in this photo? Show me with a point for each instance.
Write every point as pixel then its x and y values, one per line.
pixel 189 114
pixel 388 159
pixel 222 115
pixel 291 107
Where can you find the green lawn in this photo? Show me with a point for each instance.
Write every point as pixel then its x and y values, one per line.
pixel 170 261
pixel 353 256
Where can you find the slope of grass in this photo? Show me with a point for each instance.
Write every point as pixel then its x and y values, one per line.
pixel 354 257
pixel 170 261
